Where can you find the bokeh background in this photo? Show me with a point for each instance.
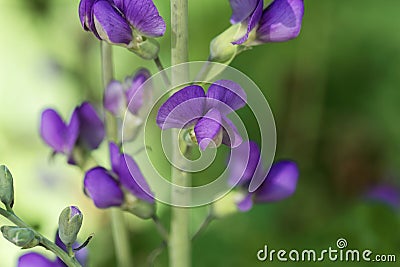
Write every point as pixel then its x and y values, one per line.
pixel 334 92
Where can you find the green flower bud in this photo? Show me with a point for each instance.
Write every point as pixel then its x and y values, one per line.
pixel 69 224
pixel 6 187
pixel 142 209
pixel 147 49
pixel 21 237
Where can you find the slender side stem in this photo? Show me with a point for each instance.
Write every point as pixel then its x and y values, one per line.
pixel 210 217
pixel 160 67
pixel 120 233
pixel 69 261
pixel 179 242
pixel 160 228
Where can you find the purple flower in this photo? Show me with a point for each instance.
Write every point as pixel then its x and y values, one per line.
pixel 121 22
pixel 387 194
pixel 130 94
pixel 106 188
pixel 204 113
pixel 38 260
pixel 280 182
pixel 279 22
pixel 85 129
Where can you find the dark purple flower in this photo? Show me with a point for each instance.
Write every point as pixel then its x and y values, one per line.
pixel 121 21
pixel 280 182
pixel 387 194
pixel 279 22
pixel 130 94
pixel 37 260
pixel 85 130
pixel 106 188
pixel 206 113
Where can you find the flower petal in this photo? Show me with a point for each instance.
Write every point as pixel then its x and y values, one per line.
pixel 208 128
pixel 114 98
pixel 281 21
pixel 143 16
pixel 110 24
pixel 242 9
pixel 102 188
pixel 114 157
pixel 91 131
pixel 231 94
pixel 387 194
pixel 86 15
pixel 231 136
pixel 135 92
pixel 35 259
pixel 252 22
pixel 183 107
pixel 247 157
pixel 55 132
pixel 132 179
pixel 246 203
pixel 81 255
pixel 280 183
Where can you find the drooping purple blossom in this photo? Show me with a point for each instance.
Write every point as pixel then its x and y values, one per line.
pixel 121 21
pixel 106 187
pixel 130 94
pixel 38 260
pixel 280 182
pixel 85 129
pixel 206 113
pixel 279 22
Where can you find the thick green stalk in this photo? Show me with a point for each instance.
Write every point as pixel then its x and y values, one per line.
pixel 120 233
pixel 69 261
pixel 179 242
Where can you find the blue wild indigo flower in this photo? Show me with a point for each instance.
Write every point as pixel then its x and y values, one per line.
pixel 130 94
pixel 279 22
pixel 37 260
pixel 205 114
pixel 85 131
pixel 385 193
pixel 126 23
pixel 123 186
pixel 280 182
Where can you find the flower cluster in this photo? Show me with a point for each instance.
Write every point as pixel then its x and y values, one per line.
pixel 280 182
pixel 205 114
pixel 84 132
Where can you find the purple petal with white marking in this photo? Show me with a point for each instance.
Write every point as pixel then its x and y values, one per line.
pixel 229 93
pixel 280 183
pixel 242 9
pixel 207 128
pixel 143 16
pixel 114 98
pixel 109 23
pixel 252 22
pixel 132 179
pixel 182 108
pixel 281 21
pixel 86 15
pixel 102 188
pixel 91 131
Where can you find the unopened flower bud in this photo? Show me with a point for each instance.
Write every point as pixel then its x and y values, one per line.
pixel 21 237
pixel 69 224
pixel 221 48
pixel 6 187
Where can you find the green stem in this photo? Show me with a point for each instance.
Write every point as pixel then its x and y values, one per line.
pixel 179 242
pixel 210 217
pixel 160 228
pixel 160 67
pixel 69 261
pixel 120 233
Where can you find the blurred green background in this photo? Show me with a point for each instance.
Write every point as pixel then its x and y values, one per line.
pixel 334 92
